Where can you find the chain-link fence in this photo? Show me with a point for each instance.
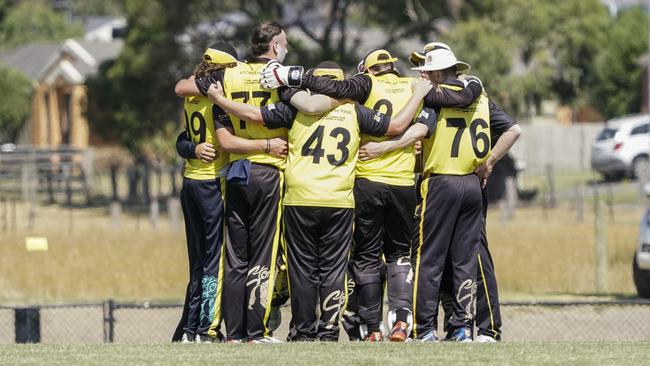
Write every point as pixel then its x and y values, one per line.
pixel 155 323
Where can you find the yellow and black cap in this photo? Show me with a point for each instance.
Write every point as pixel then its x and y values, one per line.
pixel 376 57
pixel 328 68
pixel 221 53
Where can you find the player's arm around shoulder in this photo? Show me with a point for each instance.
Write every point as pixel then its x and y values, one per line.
pixel 243 111
pixel 314 104
pixel 423 128
pixel 405 116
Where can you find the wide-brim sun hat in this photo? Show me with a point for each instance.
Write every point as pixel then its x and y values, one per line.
pixel 417 58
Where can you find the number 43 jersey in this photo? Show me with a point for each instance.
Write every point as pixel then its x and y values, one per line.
pixel 323 151
pixel 461 141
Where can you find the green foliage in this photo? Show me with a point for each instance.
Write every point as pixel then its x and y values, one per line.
pixel 132 98
pixel 616 88
pixel 15 94
pixel 33 20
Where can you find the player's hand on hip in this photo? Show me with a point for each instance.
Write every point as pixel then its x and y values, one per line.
pixel 278 147
pixel 274 76
pixel 421 87
pixel 215 92
pixel 485 170
pixel 205 152
pixel 370 150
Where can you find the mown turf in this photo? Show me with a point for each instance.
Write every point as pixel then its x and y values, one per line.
pixel 553 353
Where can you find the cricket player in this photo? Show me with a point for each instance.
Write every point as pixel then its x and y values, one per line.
pixel 202 207
pixel 319 201
pixel 458 159
pixel 254 186
pixel 488 314
pixel 384 187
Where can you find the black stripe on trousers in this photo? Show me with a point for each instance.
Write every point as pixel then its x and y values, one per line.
pixel 203 214
pixel 318 243
pixel 252 238
pixel 450 223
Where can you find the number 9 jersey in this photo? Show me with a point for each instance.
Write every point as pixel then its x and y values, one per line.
pixel 199 125
pixel 461 141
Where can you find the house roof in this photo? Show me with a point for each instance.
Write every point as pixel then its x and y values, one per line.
pixel 38 60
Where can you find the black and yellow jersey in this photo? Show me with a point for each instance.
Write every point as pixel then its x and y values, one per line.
pixel 323 151
pixel 241 84
pixel 199 125
pixel 461 141
pixel 389 94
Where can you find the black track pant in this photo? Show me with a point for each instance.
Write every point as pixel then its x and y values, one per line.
pixel 450 227
pixel 203 213
pixel 383 226
pixel 488 312
pixel 253 235
pixel 318 241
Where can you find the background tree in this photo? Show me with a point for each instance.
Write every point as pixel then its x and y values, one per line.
pixel 618 75
pixel 33 20
pixel 15 94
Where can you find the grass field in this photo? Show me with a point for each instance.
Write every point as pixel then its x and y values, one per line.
pixel 539 254
pixel 314 354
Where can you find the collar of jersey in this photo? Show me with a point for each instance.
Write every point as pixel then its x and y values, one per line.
pixel 257 60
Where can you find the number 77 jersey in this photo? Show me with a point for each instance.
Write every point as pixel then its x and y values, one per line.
pixel 461 141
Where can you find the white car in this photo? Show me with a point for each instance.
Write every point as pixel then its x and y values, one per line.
pixel 622 147
pixel 641 264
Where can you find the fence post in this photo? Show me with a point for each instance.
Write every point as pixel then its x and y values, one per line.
pixel 550 179
pixel 580 202
pixel 601 242
pixel 109 321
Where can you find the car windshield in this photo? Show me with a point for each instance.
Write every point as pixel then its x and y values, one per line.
pixel 606 134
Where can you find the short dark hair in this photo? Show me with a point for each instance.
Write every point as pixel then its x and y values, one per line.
pixel 262 36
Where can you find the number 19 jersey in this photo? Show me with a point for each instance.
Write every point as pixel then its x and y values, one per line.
pixel 461 141
pixel 199 124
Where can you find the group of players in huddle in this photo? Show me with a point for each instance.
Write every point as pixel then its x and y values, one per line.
pixel 308 186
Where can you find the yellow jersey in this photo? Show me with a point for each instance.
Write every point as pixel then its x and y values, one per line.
pixel 389 94
pixel 323 151
pixel 199 124
pixel 461 141
pixel 241 84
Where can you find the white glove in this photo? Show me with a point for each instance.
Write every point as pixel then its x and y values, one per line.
pixel 275 75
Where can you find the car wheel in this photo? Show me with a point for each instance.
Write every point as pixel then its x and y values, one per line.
pixel 640 166
pixel 641 280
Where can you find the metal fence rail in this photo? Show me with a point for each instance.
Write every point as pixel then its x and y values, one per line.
pixel 111 321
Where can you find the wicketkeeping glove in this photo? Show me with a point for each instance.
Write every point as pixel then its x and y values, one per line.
pixel 274 76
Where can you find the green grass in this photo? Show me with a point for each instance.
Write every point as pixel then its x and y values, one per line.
pixel 547 353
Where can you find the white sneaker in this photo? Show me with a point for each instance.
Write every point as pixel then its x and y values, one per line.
pixel 203 339
pixel 482 338
pixel 265 340
pixel 186 339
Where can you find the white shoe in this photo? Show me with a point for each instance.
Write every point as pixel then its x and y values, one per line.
pixel 265 340
pixel 482 338
pixel 186 339
pixel 203 339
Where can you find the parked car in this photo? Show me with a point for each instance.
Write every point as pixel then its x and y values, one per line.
pixel 641 264
pixel 622 148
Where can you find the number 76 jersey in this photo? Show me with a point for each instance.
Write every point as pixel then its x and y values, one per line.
pixel 461 141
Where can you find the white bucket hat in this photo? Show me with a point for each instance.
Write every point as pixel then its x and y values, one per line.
pixel 440 58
